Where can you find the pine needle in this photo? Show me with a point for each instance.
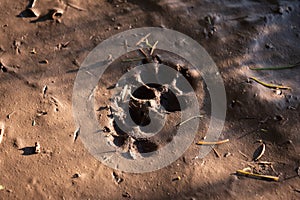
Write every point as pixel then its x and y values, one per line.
pixel 271 85
pixel 212 143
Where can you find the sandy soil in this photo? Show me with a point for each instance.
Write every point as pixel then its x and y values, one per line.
pixel 35 53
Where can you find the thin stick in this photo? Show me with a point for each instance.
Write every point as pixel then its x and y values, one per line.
pixel 216 152
pixel 153 48
pixel 270 85
pixel 143 52
pixel 257 176
pixel 142 39
pixel 243 154
pixel 2 127
pixel 189 119
pixel 277 68
pixel 213 143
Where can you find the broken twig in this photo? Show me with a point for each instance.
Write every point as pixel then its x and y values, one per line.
pixel 213 143
pixel 153 48
pixel 257 176
pixel 142 39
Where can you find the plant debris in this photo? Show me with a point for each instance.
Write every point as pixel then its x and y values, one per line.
pixel 142 39
pixel 271 85
pixel 189 119
pixel 45 88
pixel 257 176
pixel 178 178
pixel 76 134
pixel 117 178
pixel 2 127
pixel 213 143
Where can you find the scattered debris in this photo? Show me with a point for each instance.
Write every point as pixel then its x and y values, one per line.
pixel 227 154
pixel 10 114
pixel 153 48
pixel 264 163
pixel 3 68
pixel 278 92
pixel 17 45
pixel 257 176
pixel 142 39
pixel 76 134
pixel 45 88
pixel 37 148
pixel 76 175
pixel 33 51
pixel 244 155
pixel 126 195
pixel 247 169
pixel 61 46
pixel 298 171
pixel 117 178
pixel 178 178
pixel 216 152
pixel 259 152
pixel 271 85
pixel 45 61
pixel 189 119
pixel 148 44
pixel 212 143
pixel 33 123
pixel 2 127
pixel 2 187
pixel 41 113
pixel 106 129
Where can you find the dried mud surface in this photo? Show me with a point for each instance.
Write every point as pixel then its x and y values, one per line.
pixel 37 51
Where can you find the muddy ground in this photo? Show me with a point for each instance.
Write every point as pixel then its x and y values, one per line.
pixel 239 35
